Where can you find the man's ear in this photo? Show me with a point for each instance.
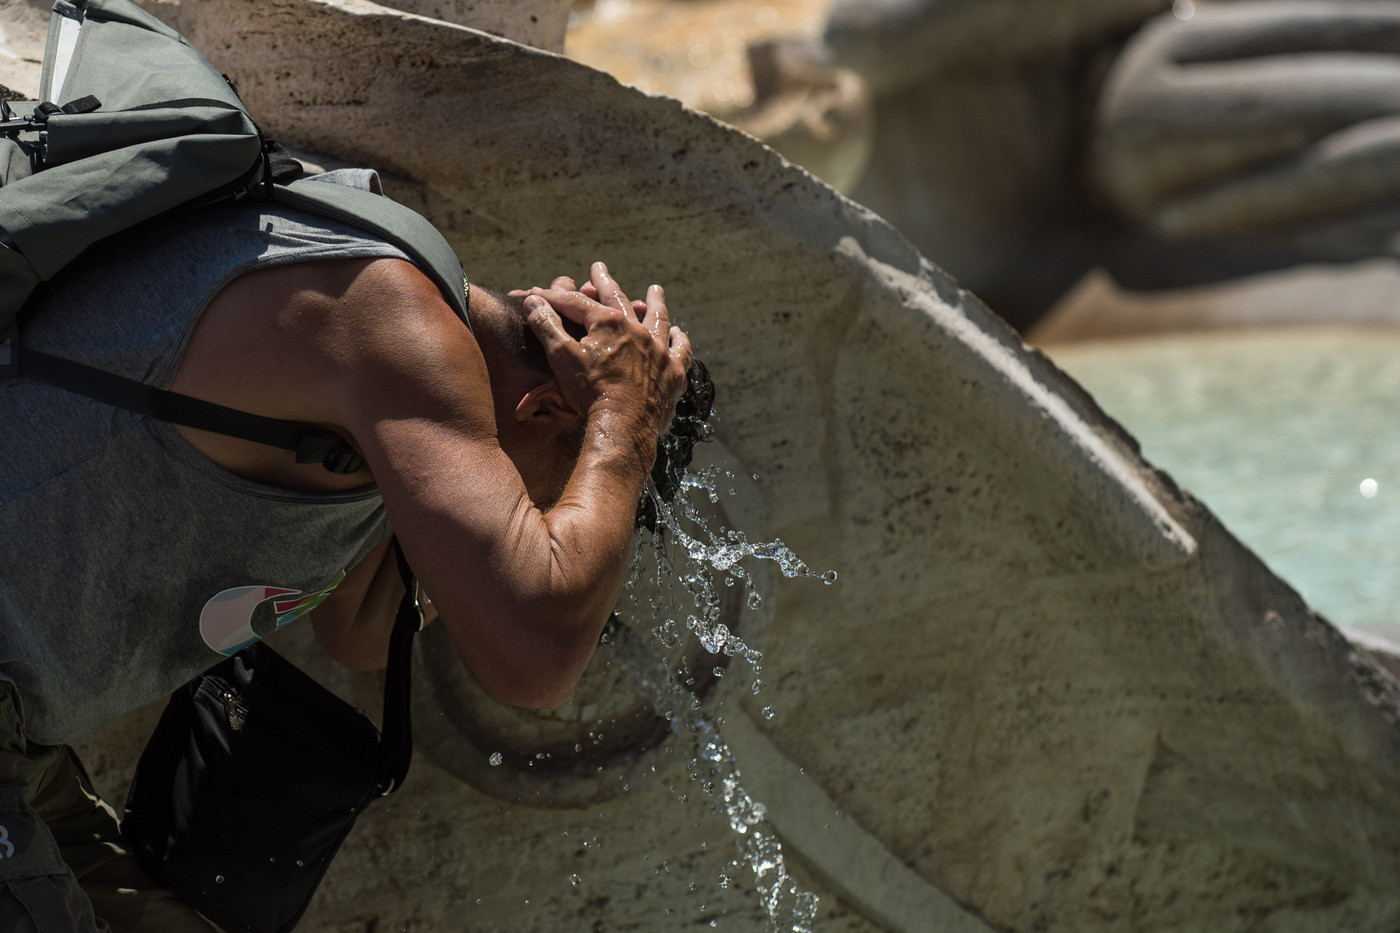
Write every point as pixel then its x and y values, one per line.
pixel 544 403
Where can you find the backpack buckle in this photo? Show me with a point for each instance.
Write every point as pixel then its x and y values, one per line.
pixel 329 450
pixel 9 349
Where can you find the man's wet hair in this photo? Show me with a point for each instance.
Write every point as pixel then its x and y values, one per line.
pixel 674 450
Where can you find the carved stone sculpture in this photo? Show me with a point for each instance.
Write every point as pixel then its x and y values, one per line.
pixel 1251 117
pixel 1023 144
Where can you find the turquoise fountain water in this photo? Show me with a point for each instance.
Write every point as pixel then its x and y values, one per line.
pixel 1292 438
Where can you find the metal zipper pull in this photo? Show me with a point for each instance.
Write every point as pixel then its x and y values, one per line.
pixel 233 711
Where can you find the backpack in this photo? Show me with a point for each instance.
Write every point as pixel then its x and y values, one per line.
pixel 147 126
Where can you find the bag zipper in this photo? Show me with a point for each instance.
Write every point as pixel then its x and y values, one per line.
pixel 237 715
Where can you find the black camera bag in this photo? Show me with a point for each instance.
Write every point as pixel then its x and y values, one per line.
pixel 254 776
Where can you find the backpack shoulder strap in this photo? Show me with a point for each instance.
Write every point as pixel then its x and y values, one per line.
pixel 310 444
pixel 386 218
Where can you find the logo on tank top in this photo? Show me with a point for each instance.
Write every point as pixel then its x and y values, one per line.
pixel 237 617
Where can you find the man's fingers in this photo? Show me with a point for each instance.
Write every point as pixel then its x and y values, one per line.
pixel 580 308
pixel 609 292
pixel 563 284
pixel 545 322
pixel 572 305
pixel 657 319
pixel 680 346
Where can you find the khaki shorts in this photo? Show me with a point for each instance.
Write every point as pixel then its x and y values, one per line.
pixel 62 865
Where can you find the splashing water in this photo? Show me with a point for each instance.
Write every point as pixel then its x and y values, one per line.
pixel 710 554
pixel 711 558
pixel 709 760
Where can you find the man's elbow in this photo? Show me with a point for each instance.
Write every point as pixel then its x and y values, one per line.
pixel 534 673
pixel 530 690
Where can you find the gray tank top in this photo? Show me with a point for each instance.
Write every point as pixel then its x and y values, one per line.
pixel 132 562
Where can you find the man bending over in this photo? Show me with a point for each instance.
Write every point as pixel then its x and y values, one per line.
pixel 139 553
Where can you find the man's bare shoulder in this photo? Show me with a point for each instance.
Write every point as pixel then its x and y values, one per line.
pixel 339 343
pixel 354 300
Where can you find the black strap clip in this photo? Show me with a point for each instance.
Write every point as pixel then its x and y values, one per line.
pixel 331 451
pixel 48 108
pixel 82 105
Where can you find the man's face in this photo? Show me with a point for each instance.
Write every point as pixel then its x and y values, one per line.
pixel 541 440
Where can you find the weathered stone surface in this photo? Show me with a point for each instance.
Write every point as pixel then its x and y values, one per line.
pixel 1251 116
pixel 541 23
pixel 1048 683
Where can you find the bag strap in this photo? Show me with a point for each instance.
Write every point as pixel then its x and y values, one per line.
pixel 311 445
pixel 396 736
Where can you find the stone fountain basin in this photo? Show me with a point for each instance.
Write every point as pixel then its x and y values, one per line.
pixel 1050 691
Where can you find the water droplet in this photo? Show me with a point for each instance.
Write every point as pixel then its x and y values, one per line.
pixel 300 864
pixel 574 879
pixel 758 686
pixel 1369 488
pixel 218 879
pixel 718 672
pixel 495 759
pixel 755 599
pixel 768 712
pixel 829 577
pixel 1183 9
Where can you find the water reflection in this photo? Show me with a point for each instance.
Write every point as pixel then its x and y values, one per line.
pixel 1291 438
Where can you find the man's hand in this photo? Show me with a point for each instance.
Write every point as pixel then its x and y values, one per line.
pixel 630 362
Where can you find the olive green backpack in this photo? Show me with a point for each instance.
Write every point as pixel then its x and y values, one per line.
pixel 134 123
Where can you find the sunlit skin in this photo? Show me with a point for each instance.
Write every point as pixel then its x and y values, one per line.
pixel 465 443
